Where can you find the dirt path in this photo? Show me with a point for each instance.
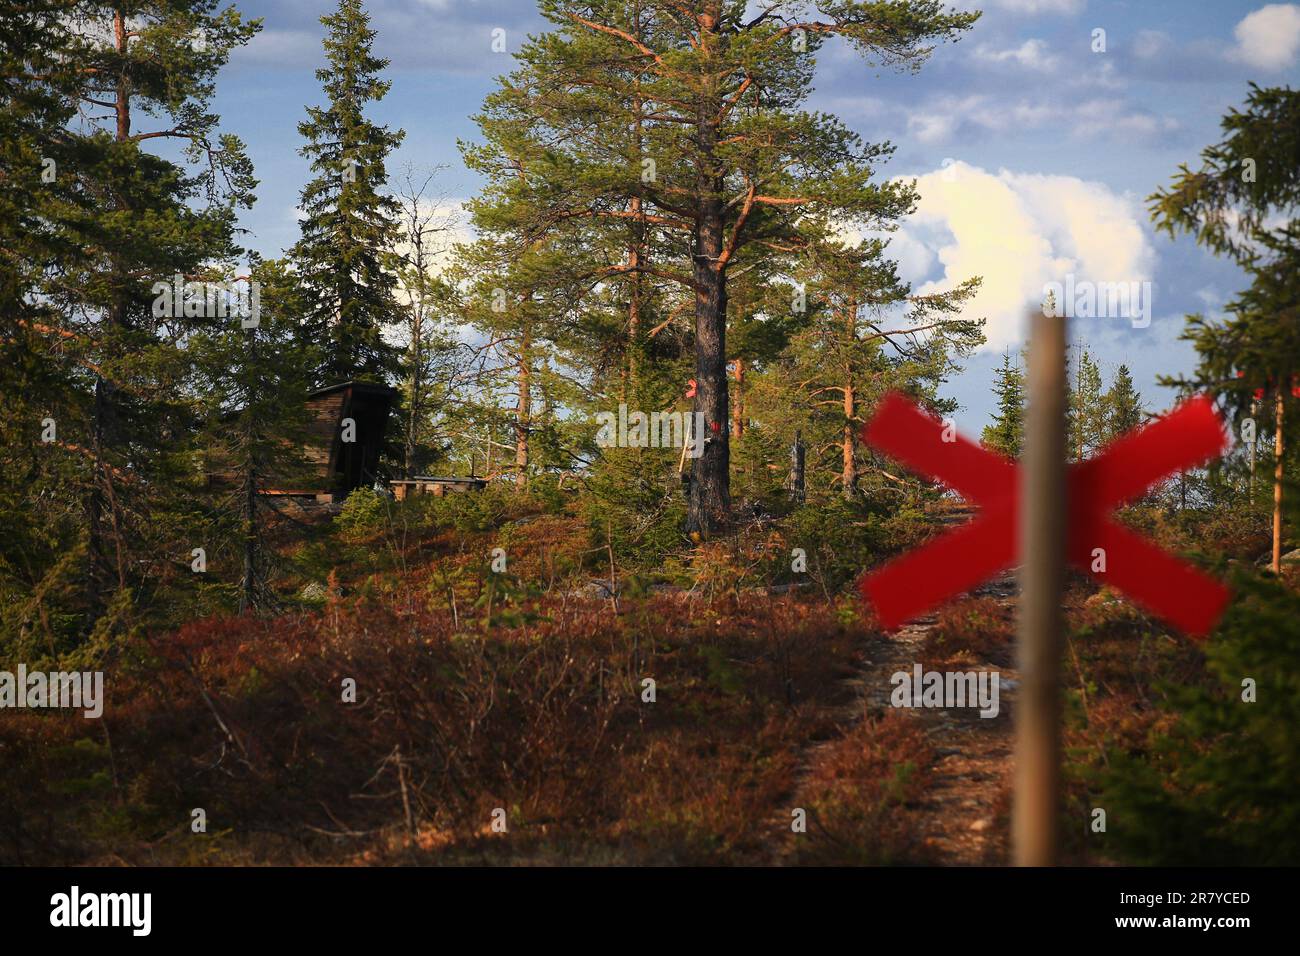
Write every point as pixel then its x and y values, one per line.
pixel 962 815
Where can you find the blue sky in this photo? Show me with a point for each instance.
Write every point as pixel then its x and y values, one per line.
pixel 1034 153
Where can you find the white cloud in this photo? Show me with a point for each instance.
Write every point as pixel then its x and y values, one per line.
pixel 915 258
pixel 1019 231
pixel 1103 117
pixel 1032 55
pixel 1150 44
pixel 277 47
pixel 1102 75
pixel 1038 6
pixel 944 119
pixel 1269 38
pixel 931 128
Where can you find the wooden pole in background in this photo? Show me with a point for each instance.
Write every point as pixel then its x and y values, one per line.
pixel 1043 528
pixel 1278 423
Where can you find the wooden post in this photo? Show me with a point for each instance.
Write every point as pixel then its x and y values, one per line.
pixel 1279 421
pixel 1043 531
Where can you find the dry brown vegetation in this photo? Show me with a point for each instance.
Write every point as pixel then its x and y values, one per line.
pixel 474 692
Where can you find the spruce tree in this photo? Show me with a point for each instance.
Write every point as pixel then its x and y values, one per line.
pixel 1213 781
pixel 1006 433
pixel 123 220
pixel 251 378
pixel 1087 415
pixel 1123 405
pixel 42 219
pixel 1242 202
pixel 350 225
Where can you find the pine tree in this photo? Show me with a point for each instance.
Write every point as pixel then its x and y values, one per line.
pixel 732 169
pixel 350 226
pixel 1006 433
pixel 1123 405
pixel 866 333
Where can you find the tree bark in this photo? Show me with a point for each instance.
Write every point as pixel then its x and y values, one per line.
pixel 738 413
pixel 709 508
pixel 248 586
pixel 635 262
pixel 849 476
pixel 408 453
pixel 416 350
pixel 1252 445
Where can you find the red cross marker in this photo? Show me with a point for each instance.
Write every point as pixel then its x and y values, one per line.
pixel 912 584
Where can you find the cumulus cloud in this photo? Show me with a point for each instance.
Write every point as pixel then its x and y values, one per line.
pixel 1269 38
pixel 1018 231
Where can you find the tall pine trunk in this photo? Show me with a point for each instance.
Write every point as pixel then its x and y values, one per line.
pixel 636 253
pixel 710 499
pixel 849 473
pixel 635 262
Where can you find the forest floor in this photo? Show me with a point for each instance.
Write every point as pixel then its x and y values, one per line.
pixel 522 696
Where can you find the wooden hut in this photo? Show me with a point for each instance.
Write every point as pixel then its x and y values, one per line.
pixel 337 467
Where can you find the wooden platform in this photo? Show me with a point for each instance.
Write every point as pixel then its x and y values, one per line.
pixel 428 485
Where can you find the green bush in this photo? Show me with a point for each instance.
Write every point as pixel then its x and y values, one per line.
pixel 842 539
pixel 1221 787
pixel 635 502
pixel 364 513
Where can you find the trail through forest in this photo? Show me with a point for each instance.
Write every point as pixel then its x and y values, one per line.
pixel 963 814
